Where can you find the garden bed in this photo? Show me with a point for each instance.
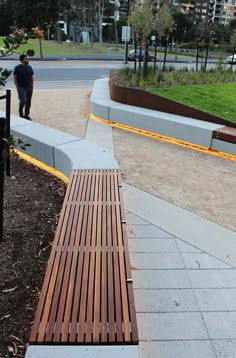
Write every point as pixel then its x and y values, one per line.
pixel 32 204
pixel 122 92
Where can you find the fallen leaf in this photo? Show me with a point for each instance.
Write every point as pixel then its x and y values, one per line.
pixel 13 349
pixel 5 317
pixel 16 338
pixel 9 290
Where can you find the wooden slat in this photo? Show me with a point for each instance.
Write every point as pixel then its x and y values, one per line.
pixel 104 303
pixel 110 270
pixel 79 276
pixel 97 288
pixel 126 320
pixel 133 318
pixel 60 228
pixel 91 285
pixel 63 324
pixel 87 295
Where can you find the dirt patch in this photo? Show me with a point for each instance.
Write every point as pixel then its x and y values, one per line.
pixel 32 204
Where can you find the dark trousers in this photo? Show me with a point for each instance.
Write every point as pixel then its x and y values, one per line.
pixel 24 95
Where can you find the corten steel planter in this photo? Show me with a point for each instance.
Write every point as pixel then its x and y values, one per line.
pixel 141 98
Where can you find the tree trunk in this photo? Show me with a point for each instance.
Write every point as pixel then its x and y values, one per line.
pixel 206 56
pixel 155 54
pixel 100 19
pixel 145 59
pixel 197 56
pixel 232 63
pixel 41 49
pixel 135 49
pixel 140 52
pixel 165 54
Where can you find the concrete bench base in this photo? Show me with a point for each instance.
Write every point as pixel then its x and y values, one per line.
pixel 82 352
pixel 60 150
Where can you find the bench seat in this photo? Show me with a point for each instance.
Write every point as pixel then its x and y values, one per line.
pixel 87 295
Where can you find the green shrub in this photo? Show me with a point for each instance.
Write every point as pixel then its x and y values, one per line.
pixel 220 67
pixel 196 77
pixel 159 78
pixel 170 79
pixel 135 79
pixel 141 83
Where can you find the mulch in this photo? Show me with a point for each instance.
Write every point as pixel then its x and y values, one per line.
pixel 32 204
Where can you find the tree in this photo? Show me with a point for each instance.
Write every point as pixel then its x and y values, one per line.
pixel 164 24
pixel 182 25
pixel 204 34
pixel 38 35
pixel 28 14
pixel 232 25
pixel 100 12
pixel 222 34
pixel 88 13
pixel 6 20
pixel 82 12
pixel 142 20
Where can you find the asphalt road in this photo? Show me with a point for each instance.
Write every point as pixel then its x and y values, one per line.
pixel 65 74
pixel 76 73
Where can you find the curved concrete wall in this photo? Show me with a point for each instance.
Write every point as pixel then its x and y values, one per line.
pixel 60 150
pixel 179 127
pixel 140 98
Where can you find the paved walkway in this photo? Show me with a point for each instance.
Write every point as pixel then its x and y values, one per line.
pixel 183 266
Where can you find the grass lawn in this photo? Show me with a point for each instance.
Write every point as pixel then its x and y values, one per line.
pixel 68 48
pixel 218 99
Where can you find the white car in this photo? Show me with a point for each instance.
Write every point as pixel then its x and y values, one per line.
pixel 231 59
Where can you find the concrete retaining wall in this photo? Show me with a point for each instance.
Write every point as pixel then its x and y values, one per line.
pixel 170 125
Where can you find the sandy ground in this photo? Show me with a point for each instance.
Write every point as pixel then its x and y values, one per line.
pixel 201 183
pixel 63 109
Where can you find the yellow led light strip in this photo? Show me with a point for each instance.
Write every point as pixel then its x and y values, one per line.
pixel 165 138
pixel 43 166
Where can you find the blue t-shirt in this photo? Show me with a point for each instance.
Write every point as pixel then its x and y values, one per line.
pixel 24 75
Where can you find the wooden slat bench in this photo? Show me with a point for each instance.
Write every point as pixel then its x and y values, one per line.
pixel 87 295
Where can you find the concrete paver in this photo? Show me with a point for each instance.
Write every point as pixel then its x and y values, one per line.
pixel 171 326
pixel 202 260
pixel 213 278
pixel 225 348
pixel 150 261
pixel 162 301
pixel 216 299
pixel 146 231
pixel 174 349
pixel 220 325
pixel 184 247
pixel 152 245
pixel 161 279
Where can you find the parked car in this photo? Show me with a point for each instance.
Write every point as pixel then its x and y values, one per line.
pixel 231 59
pixel 140 55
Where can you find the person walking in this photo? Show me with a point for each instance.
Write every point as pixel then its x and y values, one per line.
pixel 24 82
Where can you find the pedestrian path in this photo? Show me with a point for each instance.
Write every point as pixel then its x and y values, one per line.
pixel 184 275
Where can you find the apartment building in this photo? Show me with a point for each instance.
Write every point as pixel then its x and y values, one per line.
pixel 219 11
pixel 224 11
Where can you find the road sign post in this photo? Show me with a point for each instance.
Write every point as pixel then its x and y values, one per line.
pixel 126 38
